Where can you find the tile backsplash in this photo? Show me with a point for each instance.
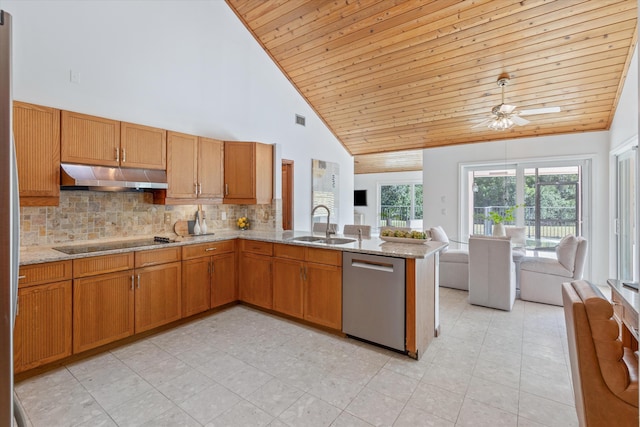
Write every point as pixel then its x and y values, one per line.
pixel 89 215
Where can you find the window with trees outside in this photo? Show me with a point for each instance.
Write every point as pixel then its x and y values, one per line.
pixel 549 200
pixel 400 205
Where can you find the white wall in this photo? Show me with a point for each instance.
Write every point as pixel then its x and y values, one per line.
pixel 441 181
pixel 371 182
pixel 188 66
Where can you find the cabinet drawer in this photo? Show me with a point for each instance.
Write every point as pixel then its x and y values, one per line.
pixel 256 247
pixel 324 256
pixel 289 251
pixel 37 274
pixel 102 264
pixel 157 256
pixel 207 249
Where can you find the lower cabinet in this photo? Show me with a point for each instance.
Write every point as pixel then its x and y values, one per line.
pixel 157 295
pixel 307 283
pixel 42 332
pixel 255 273
pixel 108 307
pixel 208 276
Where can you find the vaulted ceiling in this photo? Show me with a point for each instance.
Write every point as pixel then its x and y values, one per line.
pixel 403 75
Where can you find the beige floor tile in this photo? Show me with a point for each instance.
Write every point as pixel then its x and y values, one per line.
pixel 245 381
pixel 412 417
pixel 478 414
pixel 184 386
pixel 244 414
pixel 309 411
pixel 558 389
pixel 102 420
pixel 114 394
pixel 392 384
pixel 140 409
pixel 172 418
pixel 407 366
pixel 498 372
pixel 437 401
pixel 345 419
pixel 209 403
pixel 493 394
pixel 546 412
pixel 450 379
pixel 375 408
pixel 275 396
pixel 335 390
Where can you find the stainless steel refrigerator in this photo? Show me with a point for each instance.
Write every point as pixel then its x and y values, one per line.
pixel 9 229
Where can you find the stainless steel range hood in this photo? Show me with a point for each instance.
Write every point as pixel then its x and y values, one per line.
pixel 103 178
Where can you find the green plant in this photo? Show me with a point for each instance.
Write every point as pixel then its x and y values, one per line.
pixel 498 218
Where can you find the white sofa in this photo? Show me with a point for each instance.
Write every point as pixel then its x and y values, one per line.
pixel 541 279
pixel 454 263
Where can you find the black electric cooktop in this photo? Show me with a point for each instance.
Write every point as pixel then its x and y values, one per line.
pixel 98 247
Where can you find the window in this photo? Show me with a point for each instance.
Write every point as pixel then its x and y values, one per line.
pixel 549 196
pixel 627 179
pixel 401 205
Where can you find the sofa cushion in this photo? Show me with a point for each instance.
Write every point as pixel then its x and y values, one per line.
pixel 545 266
pixel 566 252
pixel 438 234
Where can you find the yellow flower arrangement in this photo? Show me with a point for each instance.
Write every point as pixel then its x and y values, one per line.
pixel 243 223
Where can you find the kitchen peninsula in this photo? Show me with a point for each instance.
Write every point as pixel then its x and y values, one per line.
pixel 264 269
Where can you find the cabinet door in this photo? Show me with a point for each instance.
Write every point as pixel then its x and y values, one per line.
pixel 90 140
pixel 239 170
pixel 42 330
pixel 210 168
pixel 37 142
pixel 323 295
pixel 157 296
pixel 102 309
pixel 182 165
pixel 196 286
pixel 255 280
pixel 143 146
pixel 288 279
pixel 224 287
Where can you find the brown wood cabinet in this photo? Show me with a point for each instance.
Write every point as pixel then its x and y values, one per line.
pixel 157 295
pixel 103 309
pixel 42 332
pixel 37 140
pixel 112 300
pixel 90 140
pixel 255 273
pixel 248 173
pixel 208 278
pixel 307 283
pixel 194 168
pixel 142 147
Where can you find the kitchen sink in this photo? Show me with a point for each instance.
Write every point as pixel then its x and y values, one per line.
pixel 307 239
pixel 336 241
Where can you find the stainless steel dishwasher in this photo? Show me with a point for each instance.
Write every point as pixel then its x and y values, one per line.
pixel 373 299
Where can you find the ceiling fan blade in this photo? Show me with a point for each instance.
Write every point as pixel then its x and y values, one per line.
pixel 483 123
pixel 507 109
pixel 544 110
pixel 519 120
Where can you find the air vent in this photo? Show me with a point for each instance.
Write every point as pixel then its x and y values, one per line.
pixel 300 120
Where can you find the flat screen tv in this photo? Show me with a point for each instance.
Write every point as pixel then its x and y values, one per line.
pixel 359 197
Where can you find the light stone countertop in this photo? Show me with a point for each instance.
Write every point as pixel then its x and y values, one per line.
pixel 373 246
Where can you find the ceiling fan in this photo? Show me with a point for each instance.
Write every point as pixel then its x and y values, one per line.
pixel 505 116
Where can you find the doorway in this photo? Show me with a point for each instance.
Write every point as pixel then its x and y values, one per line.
pixel 287 194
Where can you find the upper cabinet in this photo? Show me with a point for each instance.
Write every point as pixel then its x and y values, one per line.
pixel 90 140
pixel 194 168
pixel 98 141
pixel 142 147
pixel 248 173
pixel 37 140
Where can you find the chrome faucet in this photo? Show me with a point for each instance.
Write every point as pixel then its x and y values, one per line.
pixel 328 230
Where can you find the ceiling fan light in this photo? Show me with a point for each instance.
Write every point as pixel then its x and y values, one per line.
pixel 501 123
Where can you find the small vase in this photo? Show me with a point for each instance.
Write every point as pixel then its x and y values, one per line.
pixel 196 226
pixel 203 225
pixel 498 230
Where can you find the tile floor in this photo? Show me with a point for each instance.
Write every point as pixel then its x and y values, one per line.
pixel 241 367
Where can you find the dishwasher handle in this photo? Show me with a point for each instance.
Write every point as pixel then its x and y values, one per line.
pixel 372 265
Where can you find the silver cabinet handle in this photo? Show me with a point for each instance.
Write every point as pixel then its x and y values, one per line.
pixel 22 277
pixel 200 188
pixel 124 156
pixel 210 249
pixel 138 281
pixel 18 306
pixel 132 279
pixel 226 189
pixel 195 188
pixel 117 154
